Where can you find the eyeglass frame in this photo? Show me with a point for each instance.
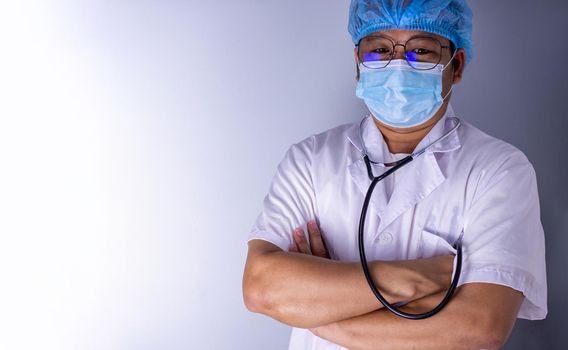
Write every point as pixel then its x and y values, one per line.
pixel 394 45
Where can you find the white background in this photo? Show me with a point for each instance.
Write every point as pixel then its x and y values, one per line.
pixel 138 138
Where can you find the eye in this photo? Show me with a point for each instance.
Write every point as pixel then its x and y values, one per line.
pixel 421 51
pixel 382 50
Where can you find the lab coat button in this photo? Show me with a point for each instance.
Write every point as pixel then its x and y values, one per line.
pixel 384 238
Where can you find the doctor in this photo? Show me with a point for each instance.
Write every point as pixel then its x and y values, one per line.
pixel 302 267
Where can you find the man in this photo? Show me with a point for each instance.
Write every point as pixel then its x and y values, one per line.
pixel 466 187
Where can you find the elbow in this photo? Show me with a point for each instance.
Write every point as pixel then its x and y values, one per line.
pixel 259 288
pixel 260 298
pixel 256 300
pixel 252 301
pixel 265 293
pixel 255 296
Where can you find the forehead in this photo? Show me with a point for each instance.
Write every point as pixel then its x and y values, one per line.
pixel 401 35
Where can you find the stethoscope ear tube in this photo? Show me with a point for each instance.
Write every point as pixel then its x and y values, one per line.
pixel 362 255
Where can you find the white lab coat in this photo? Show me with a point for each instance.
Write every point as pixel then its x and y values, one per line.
pixel 469 184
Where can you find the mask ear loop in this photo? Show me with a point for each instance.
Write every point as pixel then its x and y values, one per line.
pixel 448 94
pixel 449 63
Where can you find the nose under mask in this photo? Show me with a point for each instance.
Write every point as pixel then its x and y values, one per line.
pixel 401 96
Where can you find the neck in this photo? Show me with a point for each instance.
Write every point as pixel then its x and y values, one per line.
pixel 405 140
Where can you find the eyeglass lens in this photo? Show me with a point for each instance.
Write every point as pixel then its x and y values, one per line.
pixel 421 53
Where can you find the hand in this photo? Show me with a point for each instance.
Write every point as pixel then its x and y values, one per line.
pixel 316 246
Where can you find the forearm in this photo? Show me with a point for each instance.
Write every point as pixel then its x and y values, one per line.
pixel 383 330
pixel 471 321
pixel 306 291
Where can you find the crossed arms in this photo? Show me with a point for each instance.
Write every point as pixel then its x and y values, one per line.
pixel 305 289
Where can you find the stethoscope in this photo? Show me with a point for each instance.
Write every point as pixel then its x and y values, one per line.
pixel 394 166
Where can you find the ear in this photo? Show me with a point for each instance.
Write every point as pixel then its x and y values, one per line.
pixel 459 65
pixel 356 56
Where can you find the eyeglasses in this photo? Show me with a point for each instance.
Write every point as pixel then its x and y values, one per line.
pixel 421 53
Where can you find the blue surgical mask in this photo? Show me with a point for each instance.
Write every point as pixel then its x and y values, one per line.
pixel 399 95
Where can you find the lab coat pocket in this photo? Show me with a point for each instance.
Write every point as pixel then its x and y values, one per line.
pixel 432 245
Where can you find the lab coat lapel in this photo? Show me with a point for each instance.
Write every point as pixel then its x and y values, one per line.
pixel 423 175
pixel 376 148
pixel 358 172
pixel 420 178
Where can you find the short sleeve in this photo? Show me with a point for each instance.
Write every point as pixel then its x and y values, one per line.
pixel 290 201
pixel 503 238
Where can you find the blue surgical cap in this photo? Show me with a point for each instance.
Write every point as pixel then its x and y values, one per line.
pixel 451 19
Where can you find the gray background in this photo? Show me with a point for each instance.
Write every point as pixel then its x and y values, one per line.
pixel 140 137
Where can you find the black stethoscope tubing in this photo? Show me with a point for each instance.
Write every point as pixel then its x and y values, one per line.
pixel 458 246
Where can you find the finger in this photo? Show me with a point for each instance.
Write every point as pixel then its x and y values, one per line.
pixel 293 248
pixel 301 241
pixel 316 240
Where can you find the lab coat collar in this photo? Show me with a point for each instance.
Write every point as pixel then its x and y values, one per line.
pixel 418 179
pixel 378 149
pixel 445 124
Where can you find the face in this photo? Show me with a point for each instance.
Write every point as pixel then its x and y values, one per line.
pixel 453 70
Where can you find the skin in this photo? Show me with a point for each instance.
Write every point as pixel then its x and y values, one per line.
pixel 304 288
pixel 308 290
pixel 480 316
